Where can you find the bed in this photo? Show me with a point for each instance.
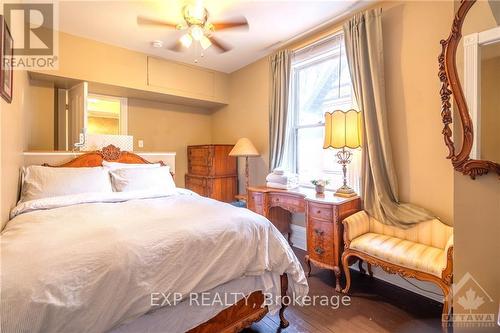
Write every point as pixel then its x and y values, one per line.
pixel 134 261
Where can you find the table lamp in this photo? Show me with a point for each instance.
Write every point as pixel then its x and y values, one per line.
pixel 244 148
pixel 343 130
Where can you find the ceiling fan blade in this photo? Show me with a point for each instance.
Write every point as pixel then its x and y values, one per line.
pixel 219 46
pixel 241 23
pixel 141 20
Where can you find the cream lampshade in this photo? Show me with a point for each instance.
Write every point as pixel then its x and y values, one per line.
pixel 343 130
pixel 244 148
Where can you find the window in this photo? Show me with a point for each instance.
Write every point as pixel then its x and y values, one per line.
pixel 320 82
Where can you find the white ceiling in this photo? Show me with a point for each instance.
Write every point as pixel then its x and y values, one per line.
pixel 271 23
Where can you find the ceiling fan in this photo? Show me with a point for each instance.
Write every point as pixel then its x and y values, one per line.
pixel 197 28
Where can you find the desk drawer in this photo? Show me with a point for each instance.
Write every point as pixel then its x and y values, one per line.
pixel 288 202
pixel 320 241
pixel 319 211
pixel 255 202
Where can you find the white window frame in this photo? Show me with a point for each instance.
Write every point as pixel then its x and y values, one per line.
pixel 294 110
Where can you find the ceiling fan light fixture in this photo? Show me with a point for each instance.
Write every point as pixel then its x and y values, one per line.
pixel 197 32
pixel 186 40
pixel 205 42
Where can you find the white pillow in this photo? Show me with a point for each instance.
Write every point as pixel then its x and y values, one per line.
pixel 141 179
pixel 42 182
pixel 118 165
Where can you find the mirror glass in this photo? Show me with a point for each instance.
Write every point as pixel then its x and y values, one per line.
pixel 489 129
pixel 478 65
pixel 87 120
pixel 103 115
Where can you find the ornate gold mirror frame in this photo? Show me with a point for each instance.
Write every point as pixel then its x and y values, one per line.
pixel 450 85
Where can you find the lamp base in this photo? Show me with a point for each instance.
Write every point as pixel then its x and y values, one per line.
pixel 345 192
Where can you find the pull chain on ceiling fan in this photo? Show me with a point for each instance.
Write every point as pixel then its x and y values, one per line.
pixel 197 28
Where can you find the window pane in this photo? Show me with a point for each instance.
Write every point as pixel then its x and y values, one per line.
pixel 316 84
pixel 313 161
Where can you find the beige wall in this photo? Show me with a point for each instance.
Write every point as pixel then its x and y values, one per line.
pixel 167 127
pixel 39 123
pixel 13 142
pixel 247 116
pixel 477 235
pixel 412 88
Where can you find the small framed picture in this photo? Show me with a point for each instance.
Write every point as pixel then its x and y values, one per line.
pixel 6 56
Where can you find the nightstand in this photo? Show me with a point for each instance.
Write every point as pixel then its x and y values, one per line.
pixel 324 215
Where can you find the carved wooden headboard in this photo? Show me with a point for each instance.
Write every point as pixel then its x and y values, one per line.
pixel 109 153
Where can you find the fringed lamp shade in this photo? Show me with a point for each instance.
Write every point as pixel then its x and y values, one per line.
pixel 342 129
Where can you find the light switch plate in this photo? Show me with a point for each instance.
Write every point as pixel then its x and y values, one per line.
pixel 140 143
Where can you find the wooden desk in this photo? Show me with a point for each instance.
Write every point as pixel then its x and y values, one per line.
pixel 324 215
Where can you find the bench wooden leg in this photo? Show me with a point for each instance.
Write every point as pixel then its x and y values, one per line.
pixel 360 267
pixel 370 269
pixel 446 303
pixel 347 272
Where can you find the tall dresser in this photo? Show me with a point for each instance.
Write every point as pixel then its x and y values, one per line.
pixel 212 172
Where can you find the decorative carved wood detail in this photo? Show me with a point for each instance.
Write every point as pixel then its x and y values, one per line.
pixel 237 317
pixel 450 85
pixel 109 153
pixel 243 314
pixel 444 282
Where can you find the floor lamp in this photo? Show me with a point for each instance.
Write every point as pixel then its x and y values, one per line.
pixel 244 148
pixel 343 131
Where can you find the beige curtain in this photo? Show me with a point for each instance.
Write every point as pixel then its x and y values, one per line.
pixel 280 64
pixel 364 47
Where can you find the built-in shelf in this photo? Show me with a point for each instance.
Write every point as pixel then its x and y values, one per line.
pixel 112 90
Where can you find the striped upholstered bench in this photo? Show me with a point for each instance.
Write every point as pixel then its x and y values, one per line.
pixel 424 252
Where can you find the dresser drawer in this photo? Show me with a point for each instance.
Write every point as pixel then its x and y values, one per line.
pixel 320 245
pixel 318 211
pixel 197 184
pixel 200 170
pixel 199 160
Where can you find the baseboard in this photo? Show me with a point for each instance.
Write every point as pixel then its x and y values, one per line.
pixel 298 236
pixel 426 289
pixel 420 288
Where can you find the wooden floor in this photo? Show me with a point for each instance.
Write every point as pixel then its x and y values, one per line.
pixel 376 306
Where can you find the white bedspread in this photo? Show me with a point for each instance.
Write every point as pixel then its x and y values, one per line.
pixel 69 267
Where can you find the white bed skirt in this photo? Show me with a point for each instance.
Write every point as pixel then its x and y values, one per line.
pixel 185 316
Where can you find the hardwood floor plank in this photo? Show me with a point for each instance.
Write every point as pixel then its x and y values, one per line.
pixel 376 306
